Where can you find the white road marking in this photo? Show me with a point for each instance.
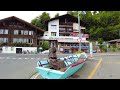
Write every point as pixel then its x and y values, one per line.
pixel 2 57
pixel 34 76
pixel 13 58
pixel 32 58
pixel 19 58
pixel 8 58
pixel 26 58
pixel 38 58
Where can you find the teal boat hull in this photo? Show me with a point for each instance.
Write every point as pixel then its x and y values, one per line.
pixel 47 73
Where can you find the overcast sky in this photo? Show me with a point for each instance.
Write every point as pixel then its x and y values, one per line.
pixel 28 15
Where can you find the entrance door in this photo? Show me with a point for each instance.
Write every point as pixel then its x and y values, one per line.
pixel 19 50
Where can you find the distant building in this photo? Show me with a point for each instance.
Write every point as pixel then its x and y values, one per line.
pixel 63 33
pixel 17 36
pixel 115 42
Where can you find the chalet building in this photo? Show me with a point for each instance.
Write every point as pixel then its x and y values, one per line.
pixel 115 42
pixel 63 33
pixel 17 35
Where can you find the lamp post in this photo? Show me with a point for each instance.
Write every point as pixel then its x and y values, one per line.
pixel 79 28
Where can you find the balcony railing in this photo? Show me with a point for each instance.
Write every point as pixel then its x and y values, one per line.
pixel 67 23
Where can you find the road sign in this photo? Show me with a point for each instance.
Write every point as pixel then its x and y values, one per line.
pixel 79 40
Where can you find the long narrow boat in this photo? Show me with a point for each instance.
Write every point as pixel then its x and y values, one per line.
pixel 73 63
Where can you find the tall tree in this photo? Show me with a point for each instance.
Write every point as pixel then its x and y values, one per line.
pixel 56 15
pixel 105 24
pixel 40 20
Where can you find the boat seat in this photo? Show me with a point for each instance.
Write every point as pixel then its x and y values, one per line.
pixel 43 63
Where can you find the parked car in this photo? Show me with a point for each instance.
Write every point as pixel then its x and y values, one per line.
pixel 45 52
pixel 94 51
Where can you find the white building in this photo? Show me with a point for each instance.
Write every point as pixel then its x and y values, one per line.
pixel 63 33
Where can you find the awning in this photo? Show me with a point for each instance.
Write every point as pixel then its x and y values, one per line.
pixel 71 40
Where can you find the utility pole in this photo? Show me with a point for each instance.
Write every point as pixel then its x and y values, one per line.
pixel 79 28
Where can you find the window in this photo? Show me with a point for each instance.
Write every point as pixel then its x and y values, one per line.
pixel 61 35
pixel 5 31
pixel 20 40
pixel 25 40
pixel 25 32
pixel 68 44
pixel 62 44
pixel 53 33
pixel 69 29
pixel 30 32
pixel 30 40
pixel 15 32
pixel 3 40
pixel 62 29
pixel 20 32
pixel 53 27
pixel 15 40
pixel 1 31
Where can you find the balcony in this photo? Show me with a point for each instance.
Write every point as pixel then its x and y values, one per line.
pixel 65 30
pixel 68 24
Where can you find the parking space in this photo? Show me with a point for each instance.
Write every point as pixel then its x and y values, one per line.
pixel 109 68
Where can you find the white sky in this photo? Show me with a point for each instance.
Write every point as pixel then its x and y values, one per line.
pixel 28 15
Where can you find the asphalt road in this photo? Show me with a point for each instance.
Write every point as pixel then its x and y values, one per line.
pixel 23 66
pixel 20 66
pixel 109 68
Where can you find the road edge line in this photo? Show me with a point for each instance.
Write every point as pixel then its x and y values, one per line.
pixel 34 76
pixel 94 70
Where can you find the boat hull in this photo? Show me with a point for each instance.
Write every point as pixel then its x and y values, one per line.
pixel 56 74
pixel 48 73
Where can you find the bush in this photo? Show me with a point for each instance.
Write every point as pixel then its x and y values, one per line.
pixel 100 40
pixel 114 46
pixel 45 45
pixel 104 49
pixel 113 49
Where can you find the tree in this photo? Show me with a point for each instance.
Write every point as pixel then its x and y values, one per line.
pixel 45 45
pixel 100 41
pixel 57 15
pixel 40 20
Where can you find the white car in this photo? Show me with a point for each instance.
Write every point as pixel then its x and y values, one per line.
pixel 45 52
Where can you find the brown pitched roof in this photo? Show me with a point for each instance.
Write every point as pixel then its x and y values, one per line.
pixel 116 40
pixel 65 15
pixel 22 21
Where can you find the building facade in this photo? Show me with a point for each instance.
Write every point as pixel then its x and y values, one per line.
pixel 18 36
pixel 115 42
pixel 63 33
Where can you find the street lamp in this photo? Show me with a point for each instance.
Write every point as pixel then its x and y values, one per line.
pixel 79 28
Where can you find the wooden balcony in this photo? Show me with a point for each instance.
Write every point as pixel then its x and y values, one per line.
pixel 68 24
